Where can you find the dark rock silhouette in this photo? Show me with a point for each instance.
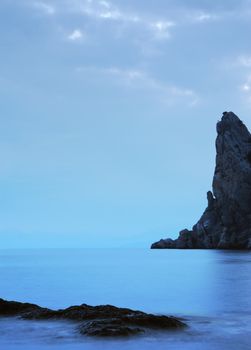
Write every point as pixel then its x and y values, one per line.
pixel 226 222
pixel 103 320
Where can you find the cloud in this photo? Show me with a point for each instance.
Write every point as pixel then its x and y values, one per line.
pixel 107 11
pixel 246 87
pixel 45 7
pixel 152 25
pixel 246 90
pixel 244 61
pixel 240 66
pixel 161 29
pixel 142 81
pixel 96 9
pixel 203 17
pixel 127 76
pixel 75 35
pixel 113 15
pixel 243 64
pixel 106 4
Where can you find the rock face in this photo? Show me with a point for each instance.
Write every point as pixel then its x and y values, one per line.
pixel 226 222
pixel 102 321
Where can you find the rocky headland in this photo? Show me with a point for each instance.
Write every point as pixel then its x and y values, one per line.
pixel 100 321
pixel 226 222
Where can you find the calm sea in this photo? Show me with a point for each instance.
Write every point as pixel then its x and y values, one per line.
pixel 211 289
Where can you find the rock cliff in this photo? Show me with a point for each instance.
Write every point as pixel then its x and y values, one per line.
pixel 226 222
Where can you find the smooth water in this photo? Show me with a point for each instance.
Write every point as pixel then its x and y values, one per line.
pixel 210 289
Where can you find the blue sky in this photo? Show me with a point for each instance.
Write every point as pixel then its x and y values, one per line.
pixel 108 113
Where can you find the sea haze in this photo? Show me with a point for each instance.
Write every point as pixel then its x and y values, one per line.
pixel 210 289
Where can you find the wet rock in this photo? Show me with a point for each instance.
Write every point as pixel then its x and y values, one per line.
pixel 81 312
pixel 226 222
pixel 152 321
pixel 103 320
pixel 108 328
pixel 13 308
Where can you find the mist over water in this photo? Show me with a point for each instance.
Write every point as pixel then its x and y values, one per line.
pixel 210 289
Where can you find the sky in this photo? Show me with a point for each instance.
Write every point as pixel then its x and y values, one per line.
pixel 108 113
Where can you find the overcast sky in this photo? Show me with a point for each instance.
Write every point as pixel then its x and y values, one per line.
pixel 108 113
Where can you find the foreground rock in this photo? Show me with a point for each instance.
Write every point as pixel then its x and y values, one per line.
pixel 104 320
pixel 226 222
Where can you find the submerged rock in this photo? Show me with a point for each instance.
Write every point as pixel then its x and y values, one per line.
pixel 226 222
pixel 103 320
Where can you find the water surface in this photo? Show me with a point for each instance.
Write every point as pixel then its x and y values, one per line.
pixel 211 289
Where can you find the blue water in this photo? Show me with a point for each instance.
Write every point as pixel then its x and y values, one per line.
pixel 210 289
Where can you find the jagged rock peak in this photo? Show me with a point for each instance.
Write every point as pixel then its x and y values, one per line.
pixel 226 222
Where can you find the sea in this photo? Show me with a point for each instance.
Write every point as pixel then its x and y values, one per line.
pixel 210 289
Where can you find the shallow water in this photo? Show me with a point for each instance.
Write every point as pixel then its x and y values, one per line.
pixel 211 289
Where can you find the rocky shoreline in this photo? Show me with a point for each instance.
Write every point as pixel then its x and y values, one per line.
pixel 99 321
pixel 226 222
